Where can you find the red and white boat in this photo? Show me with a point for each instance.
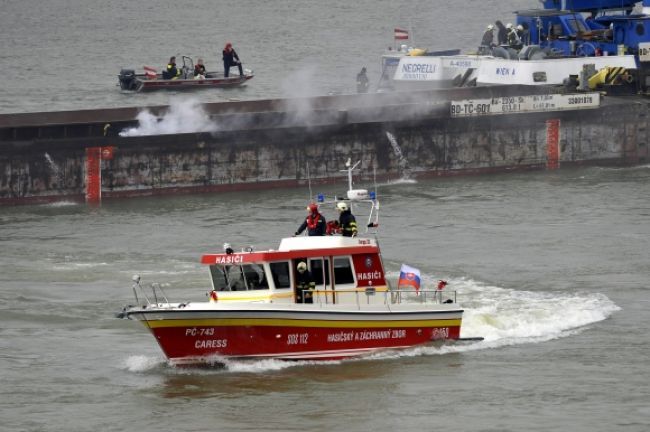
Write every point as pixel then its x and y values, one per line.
pixel 253 311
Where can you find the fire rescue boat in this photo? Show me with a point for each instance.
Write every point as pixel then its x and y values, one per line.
pixel 255 310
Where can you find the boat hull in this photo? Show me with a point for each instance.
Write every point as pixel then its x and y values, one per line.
pixel 188 84
pixel 129 81
pixel 194 337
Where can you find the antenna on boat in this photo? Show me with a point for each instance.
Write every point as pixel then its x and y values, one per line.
pixel 349 169
pixel 309 182
pixel 375 202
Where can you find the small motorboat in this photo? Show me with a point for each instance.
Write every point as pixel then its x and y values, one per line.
pixel 256 308
pixel 150 79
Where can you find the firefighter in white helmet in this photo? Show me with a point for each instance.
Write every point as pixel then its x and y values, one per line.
pixel 488 37
pixel 347 221
pixel 305 284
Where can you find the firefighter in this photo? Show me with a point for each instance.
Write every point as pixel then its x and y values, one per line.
pixel 488 37
pixel 305 284
pixel 347 221
pixel 315 222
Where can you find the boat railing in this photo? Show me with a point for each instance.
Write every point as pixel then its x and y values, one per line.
pixel 368 296
pixel 156 295
pixel 434 296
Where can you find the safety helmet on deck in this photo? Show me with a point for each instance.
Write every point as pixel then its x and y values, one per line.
pixel 490 27
pixel 302 266
pixel 509 25
pixel 312 208
pixel 342 206
pixel 520 27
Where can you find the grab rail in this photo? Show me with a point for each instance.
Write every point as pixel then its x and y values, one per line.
pixel 156 290
pixel 389 296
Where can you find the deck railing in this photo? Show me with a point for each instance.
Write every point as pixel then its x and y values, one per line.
pixel 388 297
pixel 156 292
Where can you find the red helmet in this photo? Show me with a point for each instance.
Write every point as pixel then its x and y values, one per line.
pixel 312 208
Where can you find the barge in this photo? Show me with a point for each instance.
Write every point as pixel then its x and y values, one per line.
pixel 597 118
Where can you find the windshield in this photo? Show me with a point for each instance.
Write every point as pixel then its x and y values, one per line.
pixel 238 277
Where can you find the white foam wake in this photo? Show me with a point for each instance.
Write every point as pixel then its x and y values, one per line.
pixel 511 317
pixel 142 363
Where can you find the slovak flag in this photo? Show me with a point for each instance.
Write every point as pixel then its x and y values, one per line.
pixel 409 276
pixel 401 34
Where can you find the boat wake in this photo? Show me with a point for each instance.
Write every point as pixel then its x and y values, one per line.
pixel 143 364
pixel 503 317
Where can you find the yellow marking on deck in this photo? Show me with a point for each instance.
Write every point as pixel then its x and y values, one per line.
pixel 296 322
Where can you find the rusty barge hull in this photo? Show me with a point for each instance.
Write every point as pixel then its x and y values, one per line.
pixel 276 143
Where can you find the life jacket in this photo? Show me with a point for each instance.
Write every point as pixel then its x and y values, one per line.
pixel 332 228
pixel 312 221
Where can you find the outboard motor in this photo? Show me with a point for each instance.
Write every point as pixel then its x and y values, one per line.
pixel 127 79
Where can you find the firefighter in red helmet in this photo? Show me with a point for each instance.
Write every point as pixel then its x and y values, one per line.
pixel 315 222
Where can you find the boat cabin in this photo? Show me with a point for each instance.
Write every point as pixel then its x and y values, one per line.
pixel 342 268
pixel 570 33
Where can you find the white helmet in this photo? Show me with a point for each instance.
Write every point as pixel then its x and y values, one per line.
pixel 342 206
pixel 490 27
pixel 302 266
pixel 520 27
pixel 509 25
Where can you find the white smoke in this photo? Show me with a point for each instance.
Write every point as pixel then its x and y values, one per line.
pixel 300 83
pixel 298 90
pixel 183 116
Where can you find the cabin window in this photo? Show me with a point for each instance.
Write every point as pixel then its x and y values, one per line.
pixel 321 275
pixel 238 278
pixel 219 281
pixel 280 274
pixel 343 271
pixel 255 277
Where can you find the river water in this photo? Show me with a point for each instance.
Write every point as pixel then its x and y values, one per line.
pixel 552 268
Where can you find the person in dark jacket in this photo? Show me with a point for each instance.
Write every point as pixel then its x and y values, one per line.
pixel 315 222
pixel 305 284
pixel 513 37
pixel 362 81
pixel 522 34
pixel 230 58
pixel 488 37
pixel 171 72
pixel 502 33
pixel 347 221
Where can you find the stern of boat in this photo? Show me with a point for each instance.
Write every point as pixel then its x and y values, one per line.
pixel 128 80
